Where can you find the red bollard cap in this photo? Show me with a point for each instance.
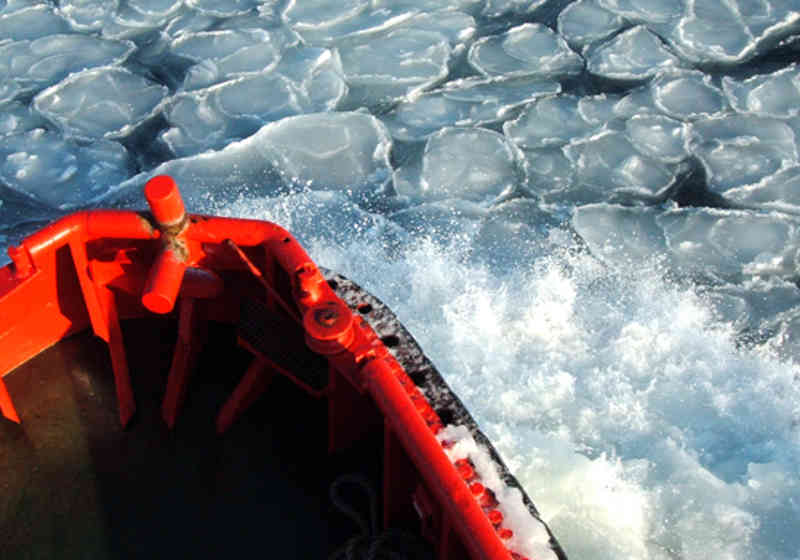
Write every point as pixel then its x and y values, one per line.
pixel 329 327
pixel 165 200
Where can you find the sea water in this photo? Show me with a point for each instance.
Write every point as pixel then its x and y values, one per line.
pixel 585 212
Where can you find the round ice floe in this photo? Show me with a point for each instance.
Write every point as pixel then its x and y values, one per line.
pixel 780 191
pixel 640 100
pixel 548 170
pixel 31 23
pixel 687 95
pixel 328 22
pixel 658 136
pixel 739 149
pixel 105 102
pixel 517 231
pixel 347 152
pixel 137 18
pixel 190 21
pixel 646 11
pixel 498 8
pixel 338 151
pixel 585 21
pixel 729 243
pixel 767 95
pixel 636 54
pixel 458 27
pixel 465 102
pixel 60 173
pixel 550 121
pixel 155 8
pixel 441 219
pixel 620 235
pixel 223 54
pixel 87 15
pixel 397 63
pixel 598 109
pixel 34 65
pixel 469 163
pixel 530 49
pixel 210 118
pixel 726 33
pixel 609 162
pixel 16 118
pixel 303 14
pixel 223 8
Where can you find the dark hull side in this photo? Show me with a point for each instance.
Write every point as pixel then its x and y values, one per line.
pixel 445 402
pixel 352 428
pixel 76 485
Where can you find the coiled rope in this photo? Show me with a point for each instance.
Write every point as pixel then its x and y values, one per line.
pixel 369 544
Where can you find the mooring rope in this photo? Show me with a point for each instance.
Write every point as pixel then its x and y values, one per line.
pixel 369 544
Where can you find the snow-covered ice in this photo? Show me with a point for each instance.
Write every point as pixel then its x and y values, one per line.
pixel 584 22
pixel 106 102
pixel 636 54
pixel 469 163
pixel 30 66
pixel 59 172
pixel 531 49
pixel 586 211
pixel 466 102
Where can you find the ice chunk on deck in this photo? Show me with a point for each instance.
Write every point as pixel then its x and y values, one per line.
pixel 530 49
pixel 212 117
pixel 585 22
pixel 620 235
pixel 742 149
pixel 768 95
pixel 465 102
pixel 730 244
pixel 636 54
pixel 550 121
pixel 87 15
pixel 105 102
pixel 347 152
pixel 34 65
pixel 395 64
pixel 658 136
pixel 608 162
pixel 687 95
pixel 31 23
pixel 469 163
pixel 223 8
pixel 61 173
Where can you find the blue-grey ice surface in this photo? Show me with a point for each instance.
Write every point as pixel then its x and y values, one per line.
pixel 587 212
